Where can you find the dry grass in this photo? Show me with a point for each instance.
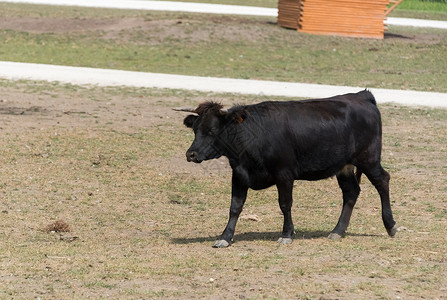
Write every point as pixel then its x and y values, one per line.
pixel 110 162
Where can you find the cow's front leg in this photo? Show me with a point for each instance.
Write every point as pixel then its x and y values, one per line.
pixel 285 203
pixel 238 197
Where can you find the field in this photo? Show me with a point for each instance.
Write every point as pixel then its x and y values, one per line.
pixel 98 201
pixel 220 46
pixel 110 164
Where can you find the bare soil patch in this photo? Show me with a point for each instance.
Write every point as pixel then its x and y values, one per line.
pixel 58 25
pixel 144 28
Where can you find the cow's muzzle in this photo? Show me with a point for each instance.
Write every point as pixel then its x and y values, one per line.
pixel 193 156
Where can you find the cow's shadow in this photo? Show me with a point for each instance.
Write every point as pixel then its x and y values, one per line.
pixel 262 236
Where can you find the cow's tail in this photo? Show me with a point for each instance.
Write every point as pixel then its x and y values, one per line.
pixel 368 96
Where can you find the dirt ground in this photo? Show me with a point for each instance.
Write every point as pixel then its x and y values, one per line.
pixel 157 30
pixel 109 162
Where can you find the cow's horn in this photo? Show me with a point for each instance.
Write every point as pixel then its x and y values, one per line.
pixel 223 111
pixel 187 109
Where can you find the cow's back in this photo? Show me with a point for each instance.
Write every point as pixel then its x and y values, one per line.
pixel 313 139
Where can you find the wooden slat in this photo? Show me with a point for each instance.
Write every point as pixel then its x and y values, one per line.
pixel 288 13
pixel 360 18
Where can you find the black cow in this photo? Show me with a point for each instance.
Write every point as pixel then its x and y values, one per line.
pixel 275 143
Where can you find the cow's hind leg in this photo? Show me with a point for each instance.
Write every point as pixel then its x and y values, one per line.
pixel 380 179
pixel 285 200
pixel 351 190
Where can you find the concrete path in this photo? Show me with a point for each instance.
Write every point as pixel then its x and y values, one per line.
pixel 206 8
pixel 106 77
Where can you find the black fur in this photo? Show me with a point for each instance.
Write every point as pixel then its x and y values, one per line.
pixel 275 143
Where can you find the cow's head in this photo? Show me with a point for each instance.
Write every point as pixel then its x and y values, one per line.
pixel 213 131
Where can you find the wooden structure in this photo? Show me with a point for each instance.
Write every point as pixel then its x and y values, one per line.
pixel 356 18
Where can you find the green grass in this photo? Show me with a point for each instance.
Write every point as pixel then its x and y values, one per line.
pixel 424 5
pixel 421 9
pixel 425 9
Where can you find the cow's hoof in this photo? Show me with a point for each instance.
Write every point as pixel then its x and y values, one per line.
pixel 392 232
pixel 334 236
pixel 221 244
pixel 284 241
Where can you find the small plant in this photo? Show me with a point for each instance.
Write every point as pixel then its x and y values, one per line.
pixel 57 226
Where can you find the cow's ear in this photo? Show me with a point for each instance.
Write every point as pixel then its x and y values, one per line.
pixel 189 120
